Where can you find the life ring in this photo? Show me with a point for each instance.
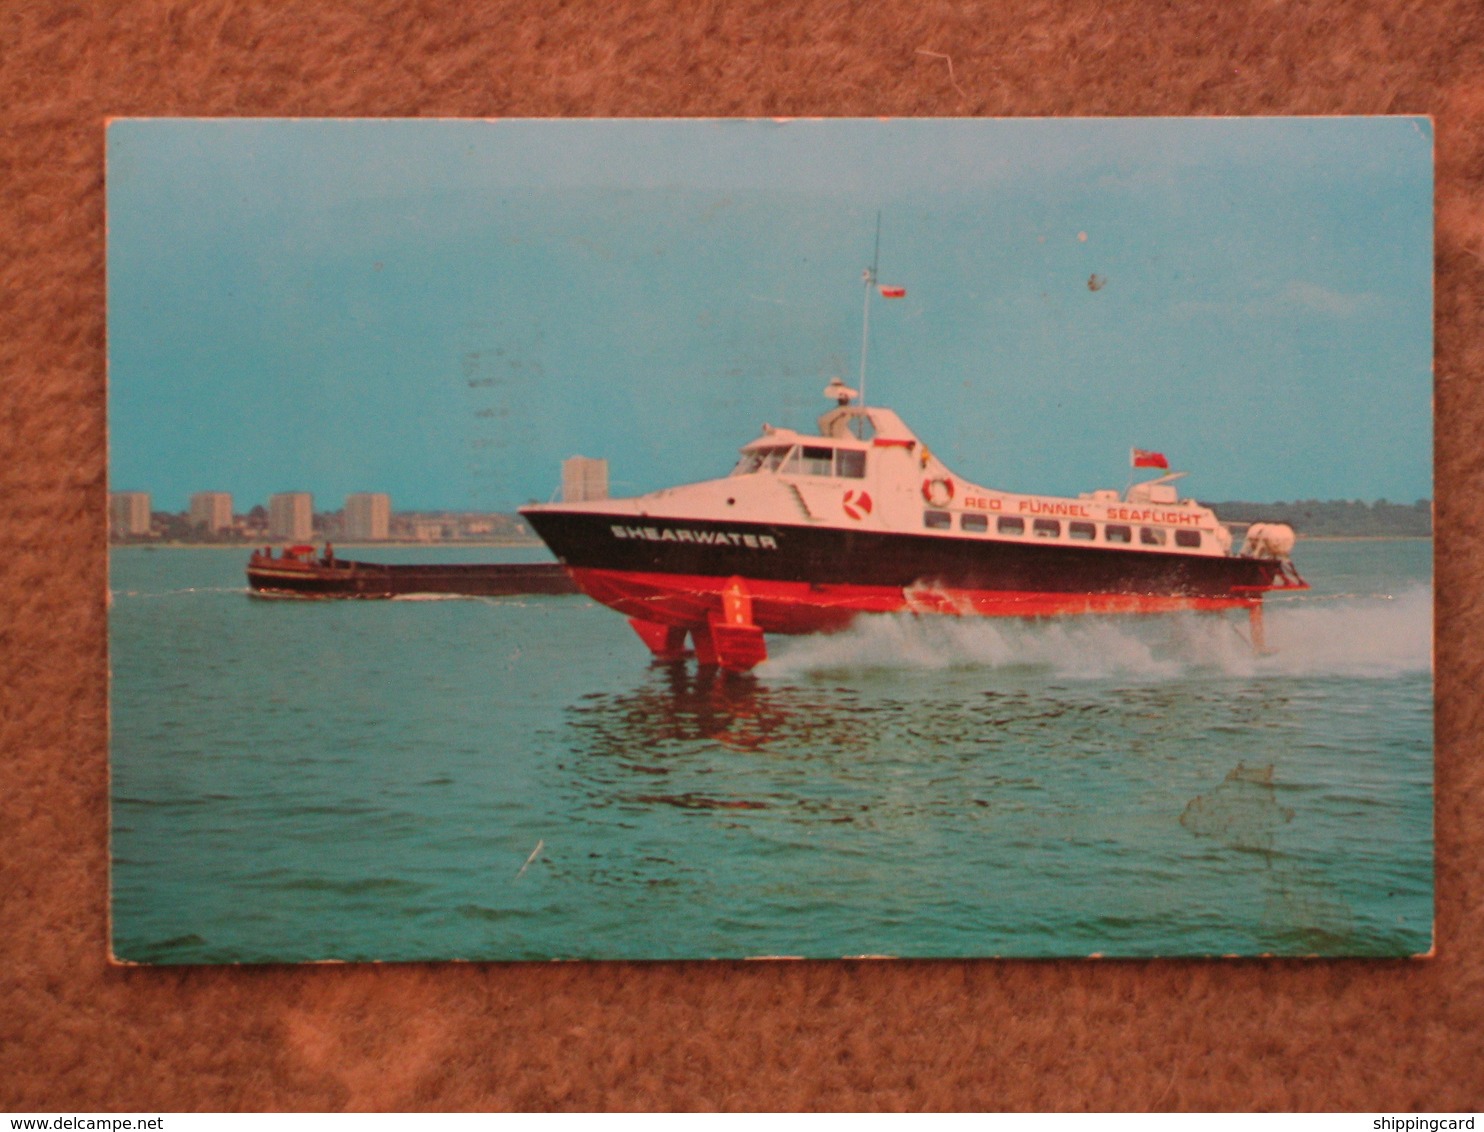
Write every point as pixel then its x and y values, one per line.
pixel 938 492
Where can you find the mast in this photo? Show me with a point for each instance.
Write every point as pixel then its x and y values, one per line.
pixel 869 278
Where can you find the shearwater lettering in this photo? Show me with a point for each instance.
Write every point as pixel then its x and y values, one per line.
pixel 707 538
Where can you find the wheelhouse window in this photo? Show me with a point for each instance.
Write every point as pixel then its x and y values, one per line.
pixel 762 459
pixel 1116 532
pixel 748 463
pixel 937 520
pixel 1083 531
pixel 805 460
pixel 1046 528
pixel 1010 525
pixel 974 522
pixel 850 463
pixel 1188 538
pixel 811 460
pixel 1151 536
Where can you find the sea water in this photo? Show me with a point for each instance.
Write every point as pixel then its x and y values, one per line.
pixel 514 778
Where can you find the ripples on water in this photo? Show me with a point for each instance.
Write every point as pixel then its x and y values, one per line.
pixel 513 779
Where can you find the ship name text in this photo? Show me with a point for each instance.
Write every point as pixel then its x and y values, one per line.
pixel 1077 510
pixel 980 503
pixel 1153 515
pixel 705 538
pixel 1047 507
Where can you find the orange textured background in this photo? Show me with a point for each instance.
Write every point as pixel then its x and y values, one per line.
pixel 77 1034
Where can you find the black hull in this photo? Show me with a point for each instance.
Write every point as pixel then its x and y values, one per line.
pixel 272 578
pixel 835 556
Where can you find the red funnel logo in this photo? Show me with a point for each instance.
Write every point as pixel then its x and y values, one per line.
pixel 857 504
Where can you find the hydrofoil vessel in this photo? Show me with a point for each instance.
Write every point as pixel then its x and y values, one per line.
pixel 807 532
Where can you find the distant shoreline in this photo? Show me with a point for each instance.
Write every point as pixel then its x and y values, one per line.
pixel 1365 538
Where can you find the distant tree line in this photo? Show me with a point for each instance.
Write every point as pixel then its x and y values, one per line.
pixel 1336 517
pixel 171 526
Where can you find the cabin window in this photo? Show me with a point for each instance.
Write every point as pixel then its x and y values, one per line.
pixel 1151 536
pixel 1082 531
pixel 974 522
pixel 1010 525
pixel 937 520
pixel 1188 538
pixel 850 463
pixel 1115 532
pixel 1046 528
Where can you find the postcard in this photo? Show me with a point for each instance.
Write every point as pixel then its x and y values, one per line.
pixel 580 539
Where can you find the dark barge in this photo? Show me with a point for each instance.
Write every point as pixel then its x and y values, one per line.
pixel 299 573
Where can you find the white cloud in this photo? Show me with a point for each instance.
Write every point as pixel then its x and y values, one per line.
pixel 1296 297
pixel 1320 300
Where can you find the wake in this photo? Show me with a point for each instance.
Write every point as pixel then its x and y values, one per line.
pixel 186 591
pixel 1372 636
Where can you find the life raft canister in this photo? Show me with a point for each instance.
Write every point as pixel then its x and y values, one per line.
pixel 938 492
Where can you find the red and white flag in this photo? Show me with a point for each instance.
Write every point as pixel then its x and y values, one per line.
pixel 1145 459
pixel 893 292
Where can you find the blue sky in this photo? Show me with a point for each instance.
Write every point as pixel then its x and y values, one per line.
pixel 444 310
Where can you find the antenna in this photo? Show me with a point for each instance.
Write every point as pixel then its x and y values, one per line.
pixel 869 279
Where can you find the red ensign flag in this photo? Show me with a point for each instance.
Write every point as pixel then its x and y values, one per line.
pixel 1143 459
pixel 893 292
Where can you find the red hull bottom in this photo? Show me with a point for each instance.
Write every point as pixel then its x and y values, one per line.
pixel 663 607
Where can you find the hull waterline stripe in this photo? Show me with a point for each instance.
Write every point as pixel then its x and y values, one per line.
pixel 801 607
